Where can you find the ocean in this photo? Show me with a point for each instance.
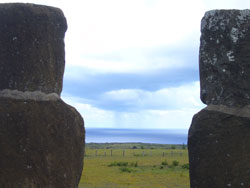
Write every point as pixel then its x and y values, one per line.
pixel 158 136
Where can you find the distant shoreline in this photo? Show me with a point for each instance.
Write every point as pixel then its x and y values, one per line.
pixel 154 136
pixel 133 145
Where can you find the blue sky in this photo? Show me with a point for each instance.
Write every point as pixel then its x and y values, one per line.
pixel 134 63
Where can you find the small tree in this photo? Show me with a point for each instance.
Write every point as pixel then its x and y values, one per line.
pixel 175 163
pixel 173 147
pixel 183 146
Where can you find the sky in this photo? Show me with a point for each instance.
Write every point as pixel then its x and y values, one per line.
pixel 134 63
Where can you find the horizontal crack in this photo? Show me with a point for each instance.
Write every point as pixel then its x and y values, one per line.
pixel 237 111
pixel 28 95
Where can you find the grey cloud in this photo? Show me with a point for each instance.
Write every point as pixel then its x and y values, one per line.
pixel 93 86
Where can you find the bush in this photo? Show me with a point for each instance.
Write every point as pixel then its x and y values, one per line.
pixel 183 146
pixel 118 164
pixel 175 163
pixel 125 169
pixel 134 164
pixel 137 155
pixel 185 166
pixel 164 163
pixel 173 147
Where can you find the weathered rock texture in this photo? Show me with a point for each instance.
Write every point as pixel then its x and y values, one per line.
pixel 41 137
pixel 224 57
pixel 219 150
pixel 41 144
pixel 32 48
pixel 219 136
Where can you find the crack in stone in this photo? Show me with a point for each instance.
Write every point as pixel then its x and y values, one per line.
pixel 28 95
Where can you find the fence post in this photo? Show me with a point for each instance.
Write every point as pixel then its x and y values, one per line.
pixel 95 152
pixel 123 153
pixel 163 154
pixel 111 153
pixel 143 153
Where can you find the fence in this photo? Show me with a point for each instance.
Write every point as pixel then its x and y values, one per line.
pixel 133 153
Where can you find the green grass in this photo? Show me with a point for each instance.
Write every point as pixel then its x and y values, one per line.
pixel 138 168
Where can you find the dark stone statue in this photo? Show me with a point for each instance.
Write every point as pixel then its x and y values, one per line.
pixel 219 136
pixel 41 137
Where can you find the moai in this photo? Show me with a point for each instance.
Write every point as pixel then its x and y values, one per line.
pixel 41 137
pixel 219 136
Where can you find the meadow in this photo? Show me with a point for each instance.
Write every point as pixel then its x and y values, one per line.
pixel 135 165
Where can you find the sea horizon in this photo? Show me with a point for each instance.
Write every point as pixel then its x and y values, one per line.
pixel 128 135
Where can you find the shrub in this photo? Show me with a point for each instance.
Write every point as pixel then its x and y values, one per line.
pixel 183 146
pixel 125 169
pixel 118 164
pixel 164 163
pixel 185 166
pixel 173 147
pixel 134 164
pixel 137 155
pixel 175 163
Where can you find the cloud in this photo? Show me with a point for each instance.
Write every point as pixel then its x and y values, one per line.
pixel 92 85
pixel 141 60
pixel 93 117
pixel 150 69
pixel 105 26
pixel 134 63
pixel 145 119
pixel 172 98
pixel 128 100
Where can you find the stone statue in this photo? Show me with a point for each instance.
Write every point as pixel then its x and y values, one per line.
pixel 41 137
pixel 219 136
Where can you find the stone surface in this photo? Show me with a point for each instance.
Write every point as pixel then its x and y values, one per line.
pixel 219 136
pixel 219 152
pixel 32 47
pixel 224 57
pixel 41 144
pixel 41 138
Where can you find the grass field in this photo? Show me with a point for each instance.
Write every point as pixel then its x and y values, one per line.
pixel 146 166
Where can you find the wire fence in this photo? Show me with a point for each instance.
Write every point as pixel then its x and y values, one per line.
pixel 134 153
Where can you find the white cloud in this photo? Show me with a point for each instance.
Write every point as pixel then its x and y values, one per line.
pixel 129 27
pixel 152 111
pixel 93 117
pixel 146 119
pixel 182 97
pixel 104 26
pixel 226 4
pixel 131 61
